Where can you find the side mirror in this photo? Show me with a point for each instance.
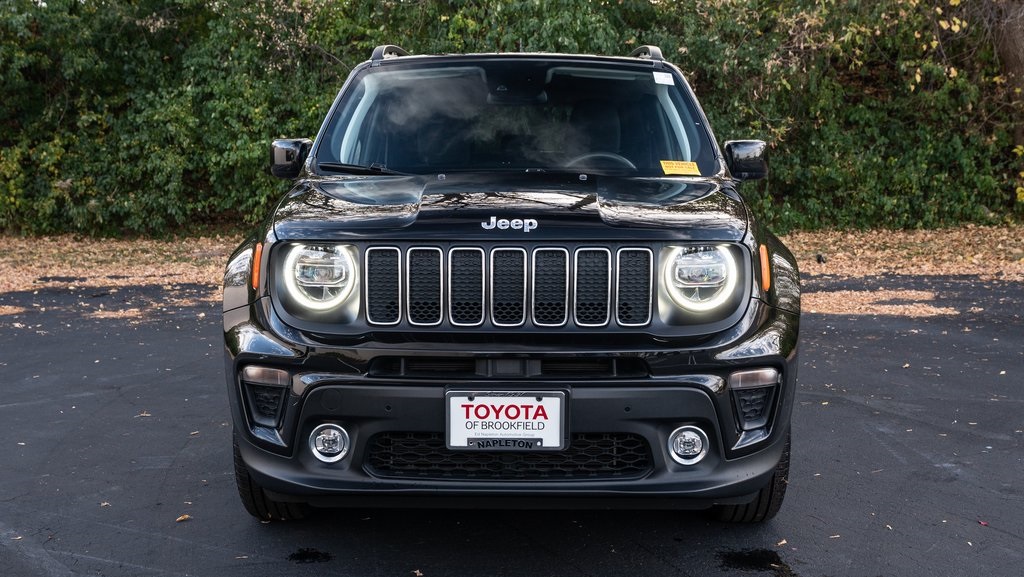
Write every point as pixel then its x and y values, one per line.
pixel 745 159
pixel 287 155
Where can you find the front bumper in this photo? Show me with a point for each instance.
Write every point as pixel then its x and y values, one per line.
pixel 681 386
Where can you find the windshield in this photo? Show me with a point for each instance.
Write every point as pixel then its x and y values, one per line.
pixel 522 115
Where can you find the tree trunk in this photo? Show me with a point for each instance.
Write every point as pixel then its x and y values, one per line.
pixel 1007 27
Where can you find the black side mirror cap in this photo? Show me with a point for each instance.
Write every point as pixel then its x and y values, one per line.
pixel 746 159
pixel 287 155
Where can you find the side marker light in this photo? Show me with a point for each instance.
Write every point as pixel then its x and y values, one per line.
pixel 766 269
pixel 257 259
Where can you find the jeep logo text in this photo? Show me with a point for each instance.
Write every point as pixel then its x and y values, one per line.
pixel 523 224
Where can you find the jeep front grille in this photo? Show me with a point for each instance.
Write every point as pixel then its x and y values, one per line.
pixel 509 286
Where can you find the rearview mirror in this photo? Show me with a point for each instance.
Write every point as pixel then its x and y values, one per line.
pixel 745 159
pixel 287 155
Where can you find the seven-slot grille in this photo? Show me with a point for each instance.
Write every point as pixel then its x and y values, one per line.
pixel 509 286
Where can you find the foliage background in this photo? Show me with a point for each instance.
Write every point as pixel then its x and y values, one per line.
pixel 147 116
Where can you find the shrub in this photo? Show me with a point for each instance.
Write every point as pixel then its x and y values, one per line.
pixel 886 113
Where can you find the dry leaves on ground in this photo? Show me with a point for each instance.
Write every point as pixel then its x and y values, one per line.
pixel 985 251
pixel 32 263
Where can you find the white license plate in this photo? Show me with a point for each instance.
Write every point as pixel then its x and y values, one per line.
pixel 506 421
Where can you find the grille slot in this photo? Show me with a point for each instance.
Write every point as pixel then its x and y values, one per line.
pixel 509 286
pixel 589 456
pixel 550 287
pixel 466 285
pixel 633 302
pixel 383 307
pixel 424 292
pixel 593 289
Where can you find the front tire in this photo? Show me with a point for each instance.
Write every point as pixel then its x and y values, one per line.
pixel 769 498
pixel 255 498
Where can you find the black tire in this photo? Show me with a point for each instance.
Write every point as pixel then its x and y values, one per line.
pixel 769 498
pixel 256 500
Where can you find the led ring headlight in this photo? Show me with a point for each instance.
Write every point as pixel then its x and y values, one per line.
pixel 319 277
pixel 700 278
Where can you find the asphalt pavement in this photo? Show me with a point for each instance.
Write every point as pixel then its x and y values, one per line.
pixel 115 458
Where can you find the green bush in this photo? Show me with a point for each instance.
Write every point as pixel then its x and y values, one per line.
pixel 146 116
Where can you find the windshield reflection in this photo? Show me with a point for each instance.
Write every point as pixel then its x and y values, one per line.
pixel 519 115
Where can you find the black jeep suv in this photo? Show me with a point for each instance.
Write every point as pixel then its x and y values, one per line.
pixel 509 280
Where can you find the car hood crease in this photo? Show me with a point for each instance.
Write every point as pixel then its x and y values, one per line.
pixel 340 206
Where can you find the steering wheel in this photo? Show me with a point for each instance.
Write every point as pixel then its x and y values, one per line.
pixel 617 158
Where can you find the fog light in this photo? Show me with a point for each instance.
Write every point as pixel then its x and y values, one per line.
pixel 329 443
pixel 687 445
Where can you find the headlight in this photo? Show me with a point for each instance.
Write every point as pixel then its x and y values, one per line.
pixel 319 277
pixel 699 278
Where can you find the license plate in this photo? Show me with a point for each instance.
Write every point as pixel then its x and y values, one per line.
pixel 506 421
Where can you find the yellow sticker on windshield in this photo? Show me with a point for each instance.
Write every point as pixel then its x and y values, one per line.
pixel 680 167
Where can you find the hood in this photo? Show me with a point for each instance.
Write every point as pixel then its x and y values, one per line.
pixel 467 206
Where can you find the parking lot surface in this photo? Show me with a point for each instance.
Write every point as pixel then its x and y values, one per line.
pixel 115 455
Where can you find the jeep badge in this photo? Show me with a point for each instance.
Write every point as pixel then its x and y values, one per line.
pixel 523 224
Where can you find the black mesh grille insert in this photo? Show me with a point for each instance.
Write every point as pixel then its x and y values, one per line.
pixel 753 406
pixel 265 403
pixel 508 286
pixel 467 286
pixel 382 285
pixel 425 286
pixel 464 367
pixel 592 285
pixel 550 286
pixel 596 367
pixel 633 305
pixel 589 456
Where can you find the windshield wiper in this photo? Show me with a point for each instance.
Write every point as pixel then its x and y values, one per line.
pixel 355 168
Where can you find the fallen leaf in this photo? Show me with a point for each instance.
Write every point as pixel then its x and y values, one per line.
pixel 18 538
pixel 417 573
pixel 983 523
pixel 185 517
pixel 144 413
pixel 833 536
pixel 104 504
pixel 889 527
pixel 193 434
pixel 781 543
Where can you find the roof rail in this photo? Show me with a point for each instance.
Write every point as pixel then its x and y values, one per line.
pixel 385 51
pixel 648 52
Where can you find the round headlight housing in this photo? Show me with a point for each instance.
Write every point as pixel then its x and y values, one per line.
pixel 319 277
pixel 700 278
